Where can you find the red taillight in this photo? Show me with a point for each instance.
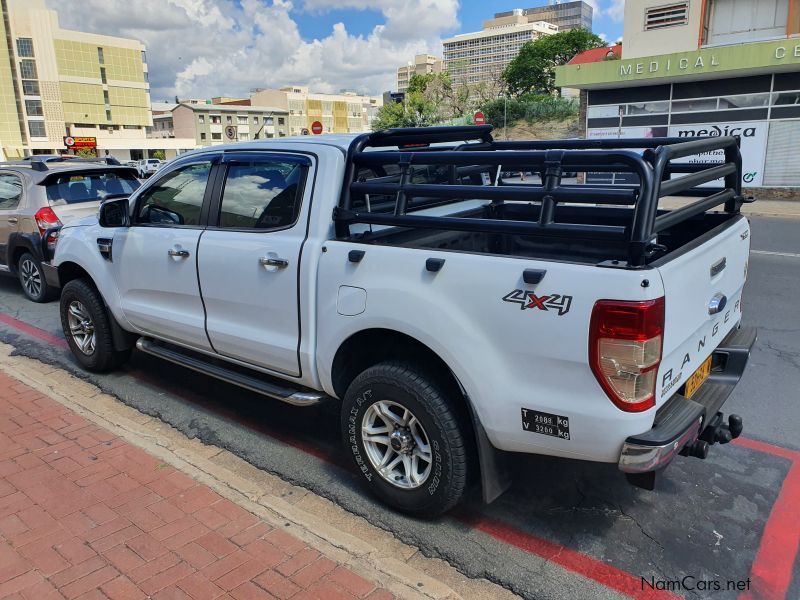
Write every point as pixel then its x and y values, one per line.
pixel 625 344
pixel 45 219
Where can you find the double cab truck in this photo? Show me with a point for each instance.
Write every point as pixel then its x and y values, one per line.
pixel 456 317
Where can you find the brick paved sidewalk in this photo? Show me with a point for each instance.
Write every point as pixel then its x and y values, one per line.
pixel 84 514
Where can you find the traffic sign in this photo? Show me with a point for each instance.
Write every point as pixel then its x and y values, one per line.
pixel 479 118
pixel 230 132
pixel 316 128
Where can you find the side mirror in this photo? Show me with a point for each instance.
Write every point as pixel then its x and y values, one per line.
pixel 115 213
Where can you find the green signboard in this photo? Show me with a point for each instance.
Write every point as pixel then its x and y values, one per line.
pixel 756 57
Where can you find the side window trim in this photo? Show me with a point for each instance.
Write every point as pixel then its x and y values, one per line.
pixel 214 159
pixel 21 201
pixel 255 156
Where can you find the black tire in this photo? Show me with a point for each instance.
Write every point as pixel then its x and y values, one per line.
pixel 31 278
pixel 102 356
pixel 444 426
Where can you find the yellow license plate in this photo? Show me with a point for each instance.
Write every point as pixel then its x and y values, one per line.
pixel 698 378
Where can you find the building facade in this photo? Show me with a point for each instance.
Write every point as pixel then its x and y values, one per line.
pixel 481 57
pixel 346 112
pixel 703 68
pixel 56 83
pixel 564 15
pixel 212 124
pixel 424 64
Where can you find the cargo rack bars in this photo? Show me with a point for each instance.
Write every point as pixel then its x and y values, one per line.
pixel 652 164
pixel 40 164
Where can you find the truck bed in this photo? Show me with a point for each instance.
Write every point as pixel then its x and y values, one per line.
pixel 549 248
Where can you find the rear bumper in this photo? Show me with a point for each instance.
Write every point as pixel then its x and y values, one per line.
pixel 681 421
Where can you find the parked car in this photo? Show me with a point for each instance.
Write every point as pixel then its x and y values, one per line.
pixel 455 319
pixel 37 198
pixel 148 166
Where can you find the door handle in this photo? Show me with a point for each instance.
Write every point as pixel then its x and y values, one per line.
pixel 267 261
pixel 175 252
pixel 13 220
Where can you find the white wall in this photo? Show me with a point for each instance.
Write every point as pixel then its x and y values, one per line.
pixel 637 42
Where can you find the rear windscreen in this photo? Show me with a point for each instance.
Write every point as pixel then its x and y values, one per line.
pixel 89 187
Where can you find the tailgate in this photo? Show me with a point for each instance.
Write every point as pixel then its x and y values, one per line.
pixel 703 291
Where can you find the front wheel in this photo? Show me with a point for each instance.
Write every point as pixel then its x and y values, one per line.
pixel 407 438
pixel 87 327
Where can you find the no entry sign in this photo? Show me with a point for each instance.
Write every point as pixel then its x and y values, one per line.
pixel 316 128
pixel 479 118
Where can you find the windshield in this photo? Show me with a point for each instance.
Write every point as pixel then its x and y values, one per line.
pixel 154 161
pixel 89 187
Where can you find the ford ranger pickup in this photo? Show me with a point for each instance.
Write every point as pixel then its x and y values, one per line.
pixel 455 315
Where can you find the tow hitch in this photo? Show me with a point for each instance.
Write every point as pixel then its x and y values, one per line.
pixel 716 432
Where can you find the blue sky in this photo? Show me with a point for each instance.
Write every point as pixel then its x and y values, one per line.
pixel 471 14
pixel 206 48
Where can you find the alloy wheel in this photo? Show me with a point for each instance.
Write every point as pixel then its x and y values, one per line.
pixel 396 444
pixel 31 277
pixel 81 327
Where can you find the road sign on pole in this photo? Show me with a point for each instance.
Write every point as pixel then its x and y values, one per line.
pixel 479 118
pixel 316 128
pixel 230 132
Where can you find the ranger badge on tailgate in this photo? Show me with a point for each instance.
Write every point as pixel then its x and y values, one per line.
pixel 526 300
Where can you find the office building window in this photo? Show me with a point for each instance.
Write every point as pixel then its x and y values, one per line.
pixel 229 120
pixel 25 47
pixel 241 120
pixel 255 119
pixel 670 15
pixel 100 58
pixel 202 135
pixel 201 118
pixel 103 75
pixel 281 121
pixel 34 108
pixel 27 69
pixel 216 119
pixel 268 120
pixel 108 115
pixel 36 129
pixel 30 88
pixel 216 136
pixel 144 57
pixel 105 97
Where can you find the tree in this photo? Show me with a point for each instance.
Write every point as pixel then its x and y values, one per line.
pixel 414 111
pixel 533 69
pixel 159 154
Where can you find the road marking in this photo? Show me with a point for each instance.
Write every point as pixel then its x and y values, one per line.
pixel 769 253
pixel 771 571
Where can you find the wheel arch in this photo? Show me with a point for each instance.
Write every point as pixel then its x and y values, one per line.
pixel 369 347
pixel 19 244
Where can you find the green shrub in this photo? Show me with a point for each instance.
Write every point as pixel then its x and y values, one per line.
pixel 532 108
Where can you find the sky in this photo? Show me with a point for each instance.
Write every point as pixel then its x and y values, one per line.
pixel 205 48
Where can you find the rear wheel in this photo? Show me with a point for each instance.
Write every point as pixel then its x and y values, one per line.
pixel 407 438
pixel 87 328
pixel 31 277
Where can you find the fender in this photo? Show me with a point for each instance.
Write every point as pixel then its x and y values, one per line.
pixel 30 242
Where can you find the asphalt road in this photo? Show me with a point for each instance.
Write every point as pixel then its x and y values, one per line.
pixel 706 519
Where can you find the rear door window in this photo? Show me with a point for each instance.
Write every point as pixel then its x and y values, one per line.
pixel 10 191
pixel 74 188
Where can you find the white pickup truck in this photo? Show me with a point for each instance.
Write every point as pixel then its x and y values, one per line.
pixel 457 317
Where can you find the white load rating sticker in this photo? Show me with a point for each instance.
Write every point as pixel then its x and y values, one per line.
pixel 541 422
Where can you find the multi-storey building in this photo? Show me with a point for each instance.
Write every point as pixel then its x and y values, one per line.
pixel 481 57
pixel 56 83
pixel 346 112
pixel 564 15
pixel 703 68
pixel 423 64
pixel 211 124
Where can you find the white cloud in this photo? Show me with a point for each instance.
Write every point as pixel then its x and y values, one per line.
pixel 616 11
pixel 205 48
pixel 603 36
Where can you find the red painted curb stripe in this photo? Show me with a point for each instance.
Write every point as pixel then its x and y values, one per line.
pixel 579 563
pixel 33 331
pixel 767 448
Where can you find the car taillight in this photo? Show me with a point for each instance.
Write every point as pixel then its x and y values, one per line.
pixel 46 219
pixel 625 344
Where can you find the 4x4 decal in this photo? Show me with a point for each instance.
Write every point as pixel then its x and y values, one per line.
pixel 526 300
